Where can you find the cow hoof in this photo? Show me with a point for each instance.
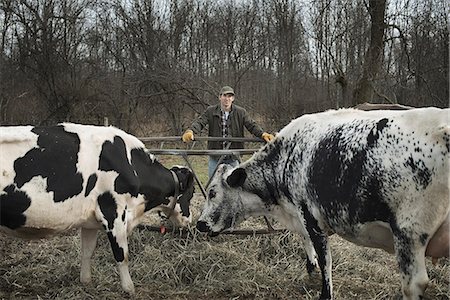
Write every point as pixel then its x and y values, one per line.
pixel 85 279
pixel 310 267
pixel 131 292
pixel 128 287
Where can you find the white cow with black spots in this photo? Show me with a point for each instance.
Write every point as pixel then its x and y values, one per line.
pixel 89 177
pixel 377 178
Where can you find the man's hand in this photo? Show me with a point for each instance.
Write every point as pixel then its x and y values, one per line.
pixel 188 136
pixel 267 137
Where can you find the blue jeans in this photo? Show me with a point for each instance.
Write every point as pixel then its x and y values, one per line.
pixel 212 164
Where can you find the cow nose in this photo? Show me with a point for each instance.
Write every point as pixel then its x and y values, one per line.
pixel 202 226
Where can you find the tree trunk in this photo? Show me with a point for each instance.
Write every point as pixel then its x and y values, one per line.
pixel 364 88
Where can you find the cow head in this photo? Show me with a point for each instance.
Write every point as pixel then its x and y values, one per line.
pixel 177 209
pixel 186 189
pixel 228 204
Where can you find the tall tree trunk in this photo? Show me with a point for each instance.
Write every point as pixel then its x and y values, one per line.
pixel 364 88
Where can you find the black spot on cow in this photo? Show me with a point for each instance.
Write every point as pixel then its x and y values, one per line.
pixel 423 238
pixel 331 177
pixel 124 215
pixel 447 141
pixel 421 174
pixel 375 133
pixel 375 206
pixel 108 207
pixel 12 206
pixel 117 250
pixel 211 194
pixel 55 158
pixel 334 177
pixel 114 158
pixel 90 184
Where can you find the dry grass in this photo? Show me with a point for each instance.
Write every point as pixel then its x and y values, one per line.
pixel 192 266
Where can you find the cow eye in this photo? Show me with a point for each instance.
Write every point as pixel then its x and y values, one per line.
pixel 212 194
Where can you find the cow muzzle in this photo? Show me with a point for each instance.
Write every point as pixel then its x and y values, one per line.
pixel 202 226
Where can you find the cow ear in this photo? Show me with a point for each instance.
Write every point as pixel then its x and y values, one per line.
pixel 188 180
pixel 185 177
pixel 237 177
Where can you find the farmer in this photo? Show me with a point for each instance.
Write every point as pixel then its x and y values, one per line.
pixel 225 119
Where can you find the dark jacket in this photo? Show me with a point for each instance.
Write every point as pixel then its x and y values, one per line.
pixel 237 120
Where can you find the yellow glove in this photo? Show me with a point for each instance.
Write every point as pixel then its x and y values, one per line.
pixel 188 136
pixel 267 137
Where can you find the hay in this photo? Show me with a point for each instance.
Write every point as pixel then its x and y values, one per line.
pixel 192 266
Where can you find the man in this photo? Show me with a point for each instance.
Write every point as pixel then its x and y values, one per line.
pixel 225 120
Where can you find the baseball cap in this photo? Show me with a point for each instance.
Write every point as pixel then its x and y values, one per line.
pixel 226 90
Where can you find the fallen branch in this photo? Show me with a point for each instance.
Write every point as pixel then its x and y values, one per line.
pixel 231 232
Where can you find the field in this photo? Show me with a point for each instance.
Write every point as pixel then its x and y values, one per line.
pixel 189 265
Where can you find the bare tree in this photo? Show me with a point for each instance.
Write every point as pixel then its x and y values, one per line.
pixel 152 65
pixel 48 36
pixel 364 88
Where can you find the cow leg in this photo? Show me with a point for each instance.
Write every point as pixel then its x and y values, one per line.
pixel 119 245
pixel 114 220
pixel 410 253
pixel 320 242
pixel 321 245
pixel 88 242
pixel 311 256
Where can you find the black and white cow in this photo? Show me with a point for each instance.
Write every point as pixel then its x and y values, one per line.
pixel 89 177
pixel 377 178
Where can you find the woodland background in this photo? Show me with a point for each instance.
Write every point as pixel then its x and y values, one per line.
pixel 151 66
